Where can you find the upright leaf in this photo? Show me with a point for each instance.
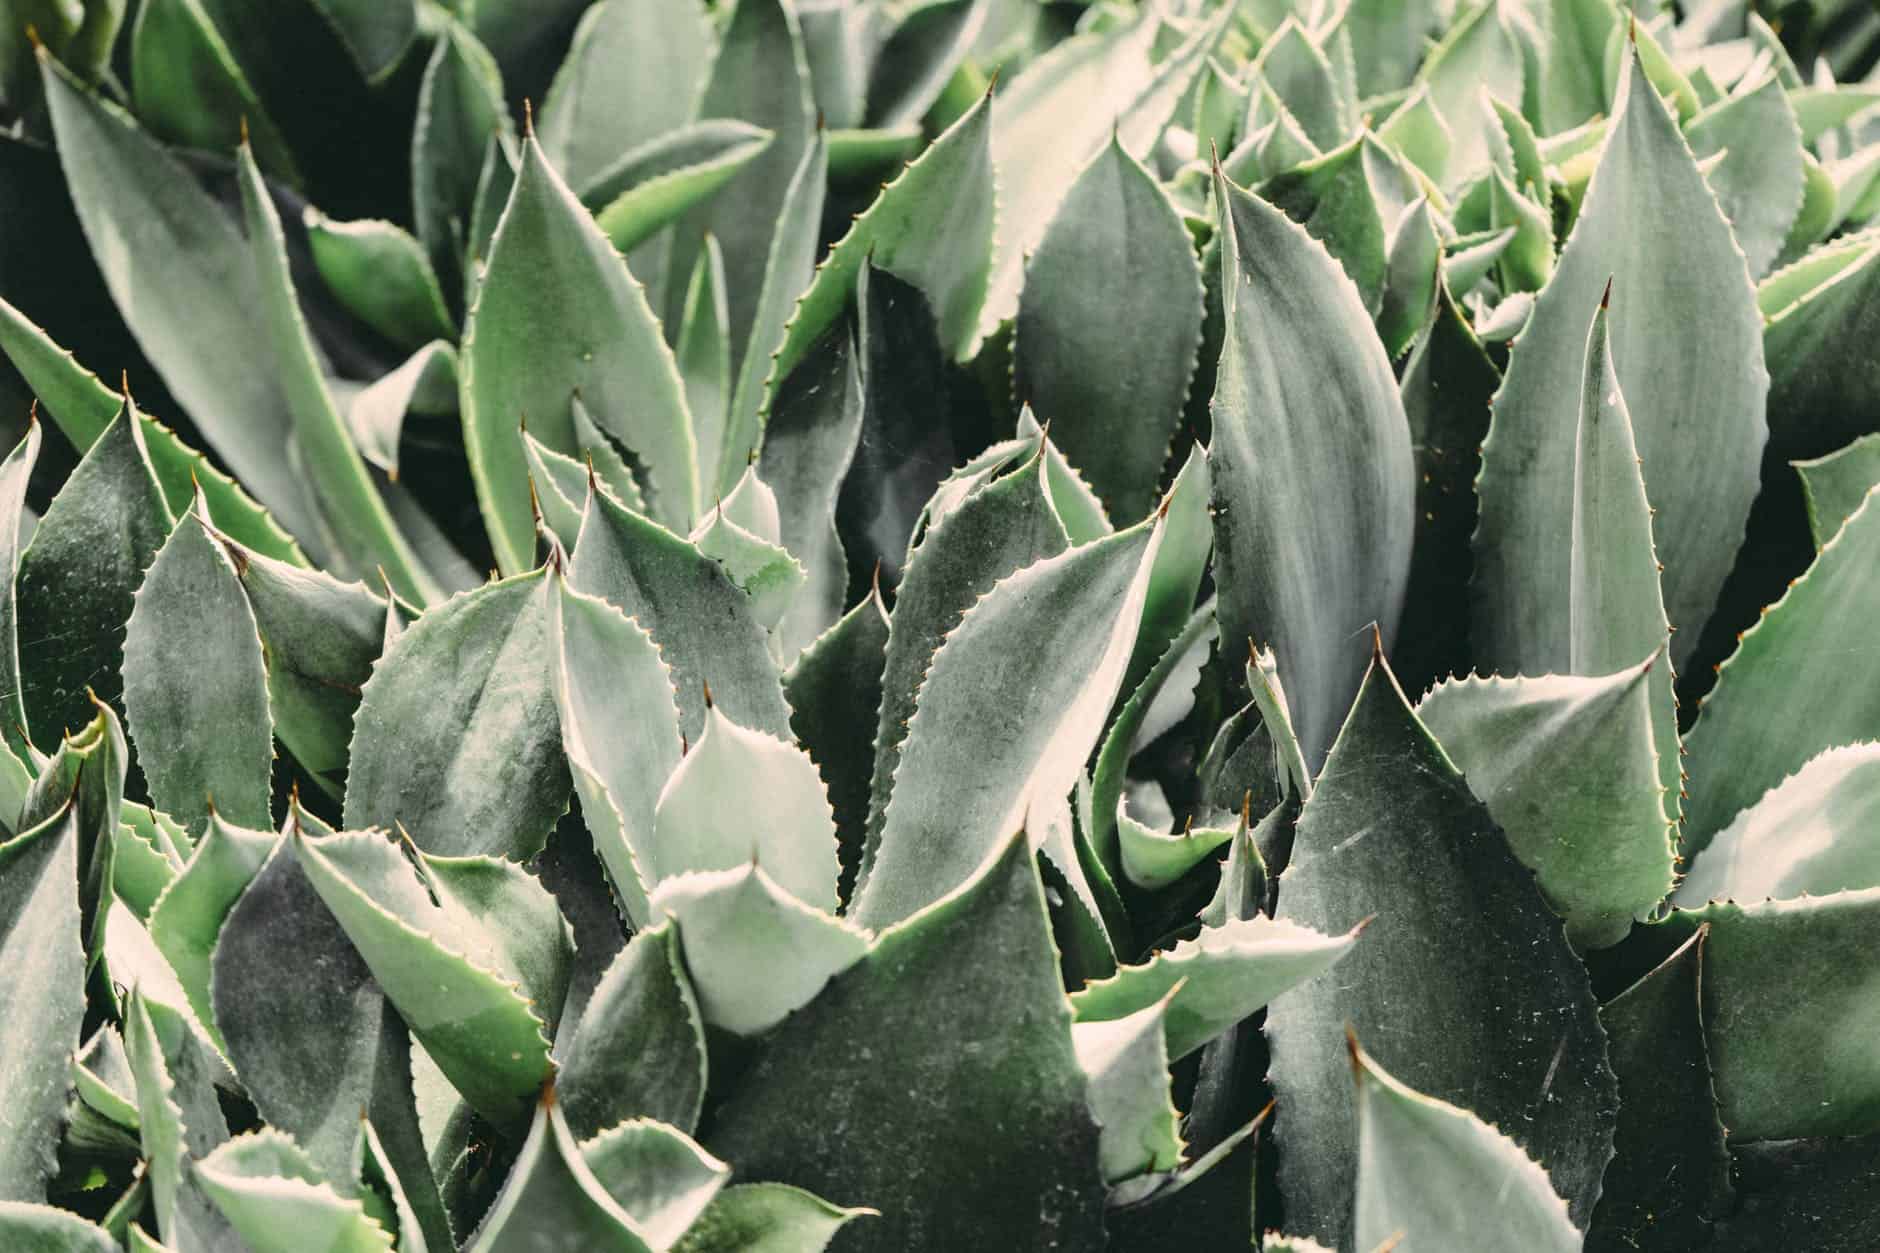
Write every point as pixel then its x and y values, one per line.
pixel 598 108
pixel 1684 334
pixel 43 1002
pixel 14 473
pixel 1759 184
pixel 758 75
pixel 931 227
pixel 552 1199
pixel 1433 1176
pixel 1783 696
pixel 966 993
pixel 1002 526
pixel 557 316
pixel 188 916
pixel 1310 463
pixel 1461 950
pixel 186 281
pixel 1056 636
pixel 638 1050
pixel 1569 772
pixel 458 738
pixel 460 113
pixel 1108 326
pixel 195 686
pixel 701 621
pixel 79 576
pixel 620 731
pixel 276 1199
pixel 1835 485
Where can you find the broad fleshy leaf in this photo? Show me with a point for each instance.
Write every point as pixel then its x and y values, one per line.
pixel 966 992
pixel 765 1218
pixel 552 1199
pixel 1308 424
pixel 1127 1062
pixel 275 1197
pixel 1461 948
pixel 1651 227
pixel 558 315
pixel 1835 485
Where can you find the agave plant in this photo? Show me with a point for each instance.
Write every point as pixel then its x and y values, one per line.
pixel 1130 626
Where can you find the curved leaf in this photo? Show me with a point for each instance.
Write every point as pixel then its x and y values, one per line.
pixel 274 1196
pixel 558 315
pixel 1461 949
pixel 638 1050
pixel 1650 223
pixel 654 184
pixel 552 1199
pixel 382 276
pixel 1310 464
pixel 765 1218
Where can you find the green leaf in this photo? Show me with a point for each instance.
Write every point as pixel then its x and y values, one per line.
pixel 704 355
pixel 657 1174
pixel 196 688
pixel 788 271
pixel 183 275
pixel 178 1115
pixel 460 113
pixel 1412 271
pixel 965 993
pixel 457 737
pixel 144 860
pixel 1059 112
pixel 932 227
pixel 620 730
pixel 1310 462
pixel 1000 527
pixel 758 75
pixel 360 525
pixel 1155 859
pixel 1461 950
pixel 1759 185
pixel 559 315
pixel 43 1003
pixel 84 407
pixel 1650 225
pixel 701 621
pixel 639 1048
pixel 1786 985
pixel 1821 383
pixel 36 1228
pixel 188 916
pixel 1670 1170
pixel 88 769
pixel 1417 131
pixel 651 186
pixel 190 90
pixel 1783 696
pixel 1180 564
pixel 275 1197
pixel 1108 326
pixel 766 1218
pixel 1060 632
pixel 834 687
pixel 794 838
pixel 1807 836
pixel 320 638
pixel 1481 52
pixel 473 1016
pixel 764 571
pixel 79 576
pixel 1567 769
pixel 1528 260
pixel 1434 1176
pixel 1572 84
pixel 1127 1060
pixel 14 473
pixel 1298 73
pixel 809 442
pixel 1219 978
pixel 1835 485
pixel 315 1051
pixel 919 57
pixel 1333 196
pixel 383 277
pixel 552 1199
pixel 631 75
pixel 756 953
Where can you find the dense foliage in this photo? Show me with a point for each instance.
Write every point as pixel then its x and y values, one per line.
pixel 1108 625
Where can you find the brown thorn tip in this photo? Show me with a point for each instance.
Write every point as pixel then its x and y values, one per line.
pixel 706 684
pixel 1605 299
pixel 244 122
pixel 32 412
pixel 1377 644
pixel 547 1099
pixel 528 118
pixel 1266 1112
pixel 1352 1052
pixel 32 37
pixel 1363 922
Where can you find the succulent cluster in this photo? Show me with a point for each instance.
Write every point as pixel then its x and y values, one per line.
pixel 1109 625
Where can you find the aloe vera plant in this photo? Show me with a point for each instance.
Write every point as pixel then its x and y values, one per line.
pixel 717 625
